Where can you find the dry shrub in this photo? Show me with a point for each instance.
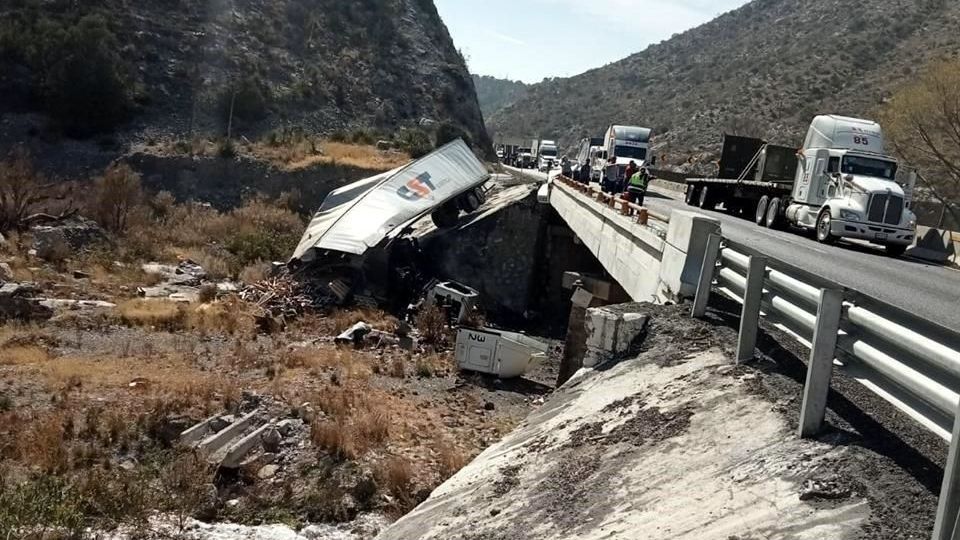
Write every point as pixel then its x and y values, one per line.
pixel 395 475
pixel 216 265
pixel 115 196
pixel 160 314
pixel 348 364
pixel 40 443
pixel 340 403
pixel 432 323
pixel 398 369
pixel 185 487
pixel 230 316
pixel 207 293
pixel 362 156
pixel 342 319
pixel 372 427
pixel 255 272
pixel 450 459
pixel 333 437
pixel 23 190
pixel 435 365
pixel 354 423
pixel 15 355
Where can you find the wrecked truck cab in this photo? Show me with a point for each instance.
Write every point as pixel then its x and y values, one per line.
pixel 495 352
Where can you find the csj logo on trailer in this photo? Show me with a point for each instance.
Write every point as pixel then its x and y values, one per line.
pixel 417 189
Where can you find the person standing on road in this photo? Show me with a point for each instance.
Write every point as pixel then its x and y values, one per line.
pixel 565 168
pixel 630 170
pixel 610 176
pixel 637 188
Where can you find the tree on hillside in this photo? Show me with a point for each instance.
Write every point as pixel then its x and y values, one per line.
pixel 922 122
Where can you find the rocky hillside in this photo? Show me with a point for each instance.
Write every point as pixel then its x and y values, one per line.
pixel 763 69
pixel 495 94
pixel 123 71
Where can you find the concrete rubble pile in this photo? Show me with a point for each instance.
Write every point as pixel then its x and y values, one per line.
pixel 254 439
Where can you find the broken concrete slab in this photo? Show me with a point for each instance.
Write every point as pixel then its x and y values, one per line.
pixel 239 449
pixel 610 331
pixel 219 439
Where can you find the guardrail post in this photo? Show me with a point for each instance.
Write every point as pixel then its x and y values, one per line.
pixel 948 508
pixel 643 216
pixel 750 316
pixel 820 366
pixel 706 276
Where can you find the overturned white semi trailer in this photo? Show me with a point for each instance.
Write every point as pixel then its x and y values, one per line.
pixel 361 215
pixel 374 212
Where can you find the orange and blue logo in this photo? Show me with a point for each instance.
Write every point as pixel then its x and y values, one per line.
pixel 418 188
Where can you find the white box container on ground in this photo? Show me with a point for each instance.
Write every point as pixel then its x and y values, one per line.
pixel 504 354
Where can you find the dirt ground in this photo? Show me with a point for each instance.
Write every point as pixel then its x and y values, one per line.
pixel 98 396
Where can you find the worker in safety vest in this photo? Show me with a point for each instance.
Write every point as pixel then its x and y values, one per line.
pixel 637 186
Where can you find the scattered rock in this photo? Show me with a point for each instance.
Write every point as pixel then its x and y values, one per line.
pixel 128 464
pixel 249 400
pixel 267 471
pixel 217 424
pixel 489 406
pixel 18 302
pixel 831 488
pixel 287 427
pixel 233 503
pixel 210 498
pixel 6 273
pixel 271 440
pixel 494 511
pixel 78 274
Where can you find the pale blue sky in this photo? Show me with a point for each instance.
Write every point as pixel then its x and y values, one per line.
pixel 531 39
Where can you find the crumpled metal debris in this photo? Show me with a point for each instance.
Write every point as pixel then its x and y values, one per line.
pixel 285 296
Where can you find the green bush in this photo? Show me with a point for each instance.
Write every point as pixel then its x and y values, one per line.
pixel 85 83
pixel 248 99
pixel 415 142
pixel 449 132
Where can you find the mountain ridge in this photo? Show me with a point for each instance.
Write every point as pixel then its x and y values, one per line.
pixel 749 71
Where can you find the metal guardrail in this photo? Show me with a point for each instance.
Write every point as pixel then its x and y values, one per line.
pixel 910 362
pixel 613 200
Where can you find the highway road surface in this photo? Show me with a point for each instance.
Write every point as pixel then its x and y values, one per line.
pixel 925 289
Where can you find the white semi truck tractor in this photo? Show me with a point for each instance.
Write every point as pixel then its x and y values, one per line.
pixel 840 184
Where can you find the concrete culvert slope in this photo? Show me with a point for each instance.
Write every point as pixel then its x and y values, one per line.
pixel 673 442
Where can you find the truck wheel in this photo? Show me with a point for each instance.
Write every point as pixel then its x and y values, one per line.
pixel 446 216
pixel 895 250
pixel 824 236
pixel 469 202
pixel 692 195
pixel 760 216
pixel 773 213
pixel 705 202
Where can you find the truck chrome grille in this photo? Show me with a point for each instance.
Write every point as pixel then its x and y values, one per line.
pixel 885 209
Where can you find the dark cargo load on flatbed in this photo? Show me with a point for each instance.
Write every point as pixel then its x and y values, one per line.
pixel 755 160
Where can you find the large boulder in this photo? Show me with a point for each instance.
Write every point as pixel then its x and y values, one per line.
pixel 60 240
pixel 18 303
